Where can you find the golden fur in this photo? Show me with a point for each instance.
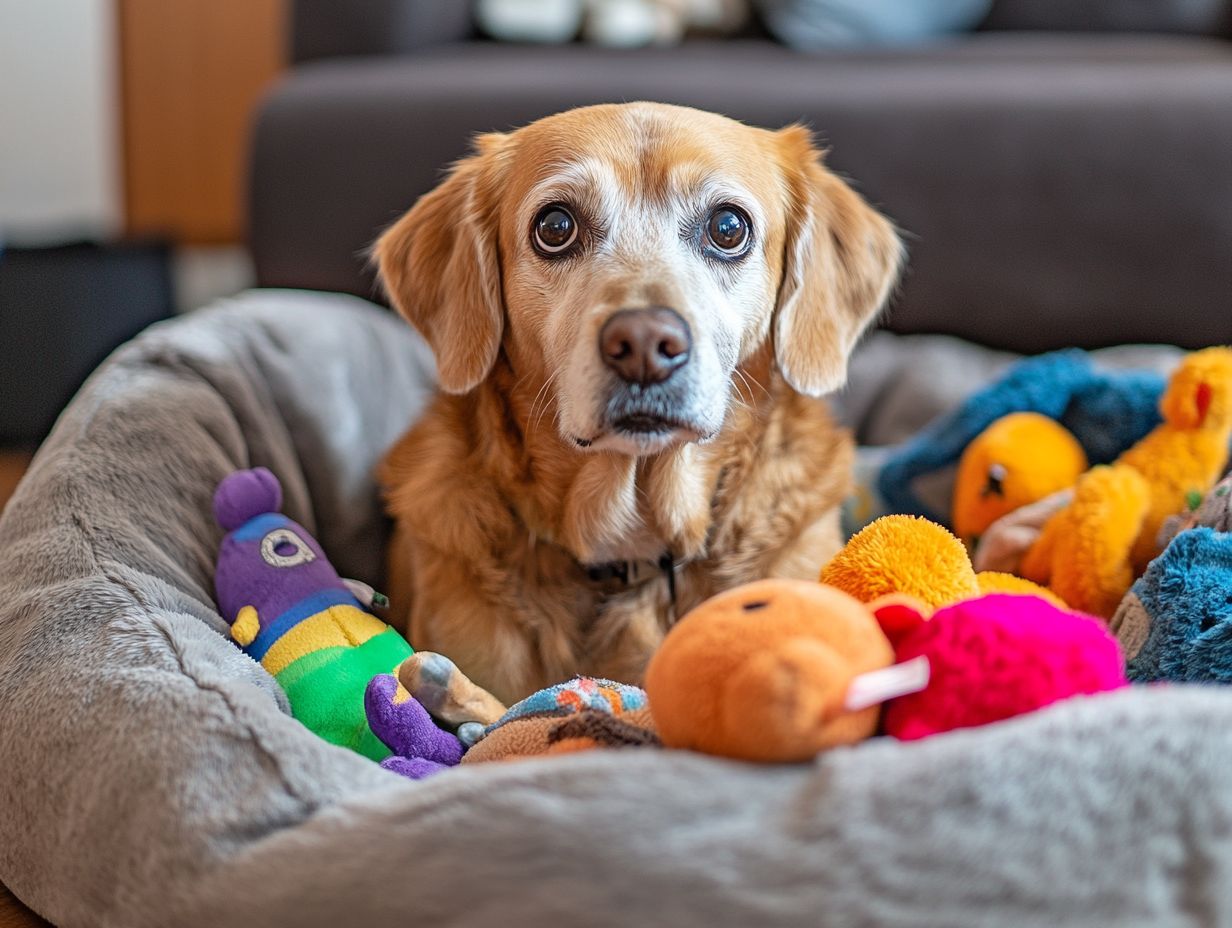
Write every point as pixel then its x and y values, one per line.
pixel 496 509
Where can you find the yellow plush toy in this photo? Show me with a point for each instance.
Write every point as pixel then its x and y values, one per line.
pixel 913 556
pixel 1018 460
pixel 1090 552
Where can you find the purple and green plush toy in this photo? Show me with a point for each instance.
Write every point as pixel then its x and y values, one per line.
pixel 291 612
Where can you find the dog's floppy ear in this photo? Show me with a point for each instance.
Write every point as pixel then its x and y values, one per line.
pixel 440 267
pixel 841 259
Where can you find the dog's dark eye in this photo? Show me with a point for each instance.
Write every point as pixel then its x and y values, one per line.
pixel 555 230
pixel 727 230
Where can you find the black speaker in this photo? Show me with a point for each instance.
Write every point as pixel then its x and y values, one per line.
pixel 62 310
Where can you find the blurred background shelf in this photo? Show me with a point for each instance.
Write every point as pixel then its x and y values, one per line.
pixel 12 465
pixel 122 177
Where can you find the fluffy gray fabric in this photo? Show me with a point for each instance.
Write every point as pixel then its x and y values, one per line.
pixel 149 774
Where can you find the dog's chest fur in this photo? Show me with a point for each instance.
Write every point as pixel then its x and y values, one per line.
pixel 497 522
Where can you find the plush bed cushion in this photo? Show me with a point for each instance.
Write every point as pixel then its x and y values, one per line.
pixel 149 773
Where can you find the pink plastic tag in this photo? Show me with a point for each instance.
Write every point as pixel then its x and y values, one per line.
pixel 877 686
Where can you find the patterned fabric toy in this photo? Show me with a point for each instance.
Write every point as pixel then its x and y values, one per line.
pixel 1214 511
pixel 290 611
pixel 577 715
pixel 1175 623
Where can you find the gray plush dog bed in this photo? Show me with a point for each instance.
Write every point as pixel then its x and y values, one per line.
pixel 149 773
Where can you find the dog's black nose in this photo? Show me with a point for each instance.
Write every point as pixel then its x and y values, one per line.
pixel 645 346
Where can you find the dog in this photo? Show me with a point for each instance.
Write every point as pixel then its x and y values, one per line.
pixel 635 310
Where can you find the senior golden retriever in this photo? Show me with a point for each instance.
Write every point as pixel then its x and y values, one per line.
pixel 634 310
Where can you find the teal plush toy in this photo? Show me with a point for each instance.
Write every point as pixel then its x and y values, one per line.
pixel 291 612
pixel 1176 621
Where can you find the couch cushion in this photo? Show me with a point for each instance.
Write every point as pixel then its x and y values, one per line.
pixel 1200 17
pixel 1053 190
pixel 327 28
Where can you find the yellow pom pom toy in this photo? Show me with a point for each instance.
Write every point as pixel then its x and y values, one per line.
pixel 917 558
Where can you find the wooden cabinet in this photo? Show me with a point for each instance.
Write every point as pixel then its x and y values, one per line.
pixel 190 74
pixel 15 915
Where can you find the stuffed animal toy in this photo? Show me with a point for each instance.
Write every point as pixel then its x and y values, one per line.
pixel 1106 411
pixel 993 658
pixel 613 23
pixel 1175 623
pixel 577 715
pixel 450 697
pixel 913 556
pixel 1018 460
pixel 763 672
pixel 771 671
pixel 290 611
pixel 779 670
pixel 1090 552
pixel 415 746
pixel 1003 544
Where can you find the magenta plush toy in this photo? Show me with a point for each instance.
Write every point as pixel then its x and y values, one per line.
pixel 995 657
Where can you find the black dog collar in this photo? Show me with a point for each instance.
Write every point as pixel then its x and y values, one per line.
pixel 618 576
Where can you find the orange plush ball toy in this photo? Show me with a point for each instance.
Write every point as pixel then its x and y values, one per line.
pixel 903 554
pixel 763 672
pixel 915 557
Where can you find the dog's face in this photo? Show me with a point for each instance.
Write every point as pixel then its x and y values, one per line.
pixel 629 258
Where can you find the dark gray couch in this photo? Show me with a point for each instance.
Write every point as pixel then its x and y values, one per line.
pixel 1054 188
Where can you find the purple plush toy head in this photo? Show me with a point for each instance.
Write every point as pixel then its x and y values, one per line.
pixel 266 561
pixel 245 494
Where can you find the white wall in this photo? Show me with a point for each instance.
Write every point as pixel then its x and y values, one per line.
pixel 59 120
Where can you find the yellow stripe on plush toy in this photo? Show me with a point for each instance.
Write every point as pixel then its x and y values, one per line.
pixel 337 626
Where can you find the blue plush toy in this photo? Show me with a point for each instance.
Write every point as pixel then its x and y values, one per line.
pixel 1107 411
pixel 1176 621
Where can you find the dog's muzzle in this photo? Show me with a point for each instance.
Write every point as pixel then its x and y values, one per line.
pixel 647 349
